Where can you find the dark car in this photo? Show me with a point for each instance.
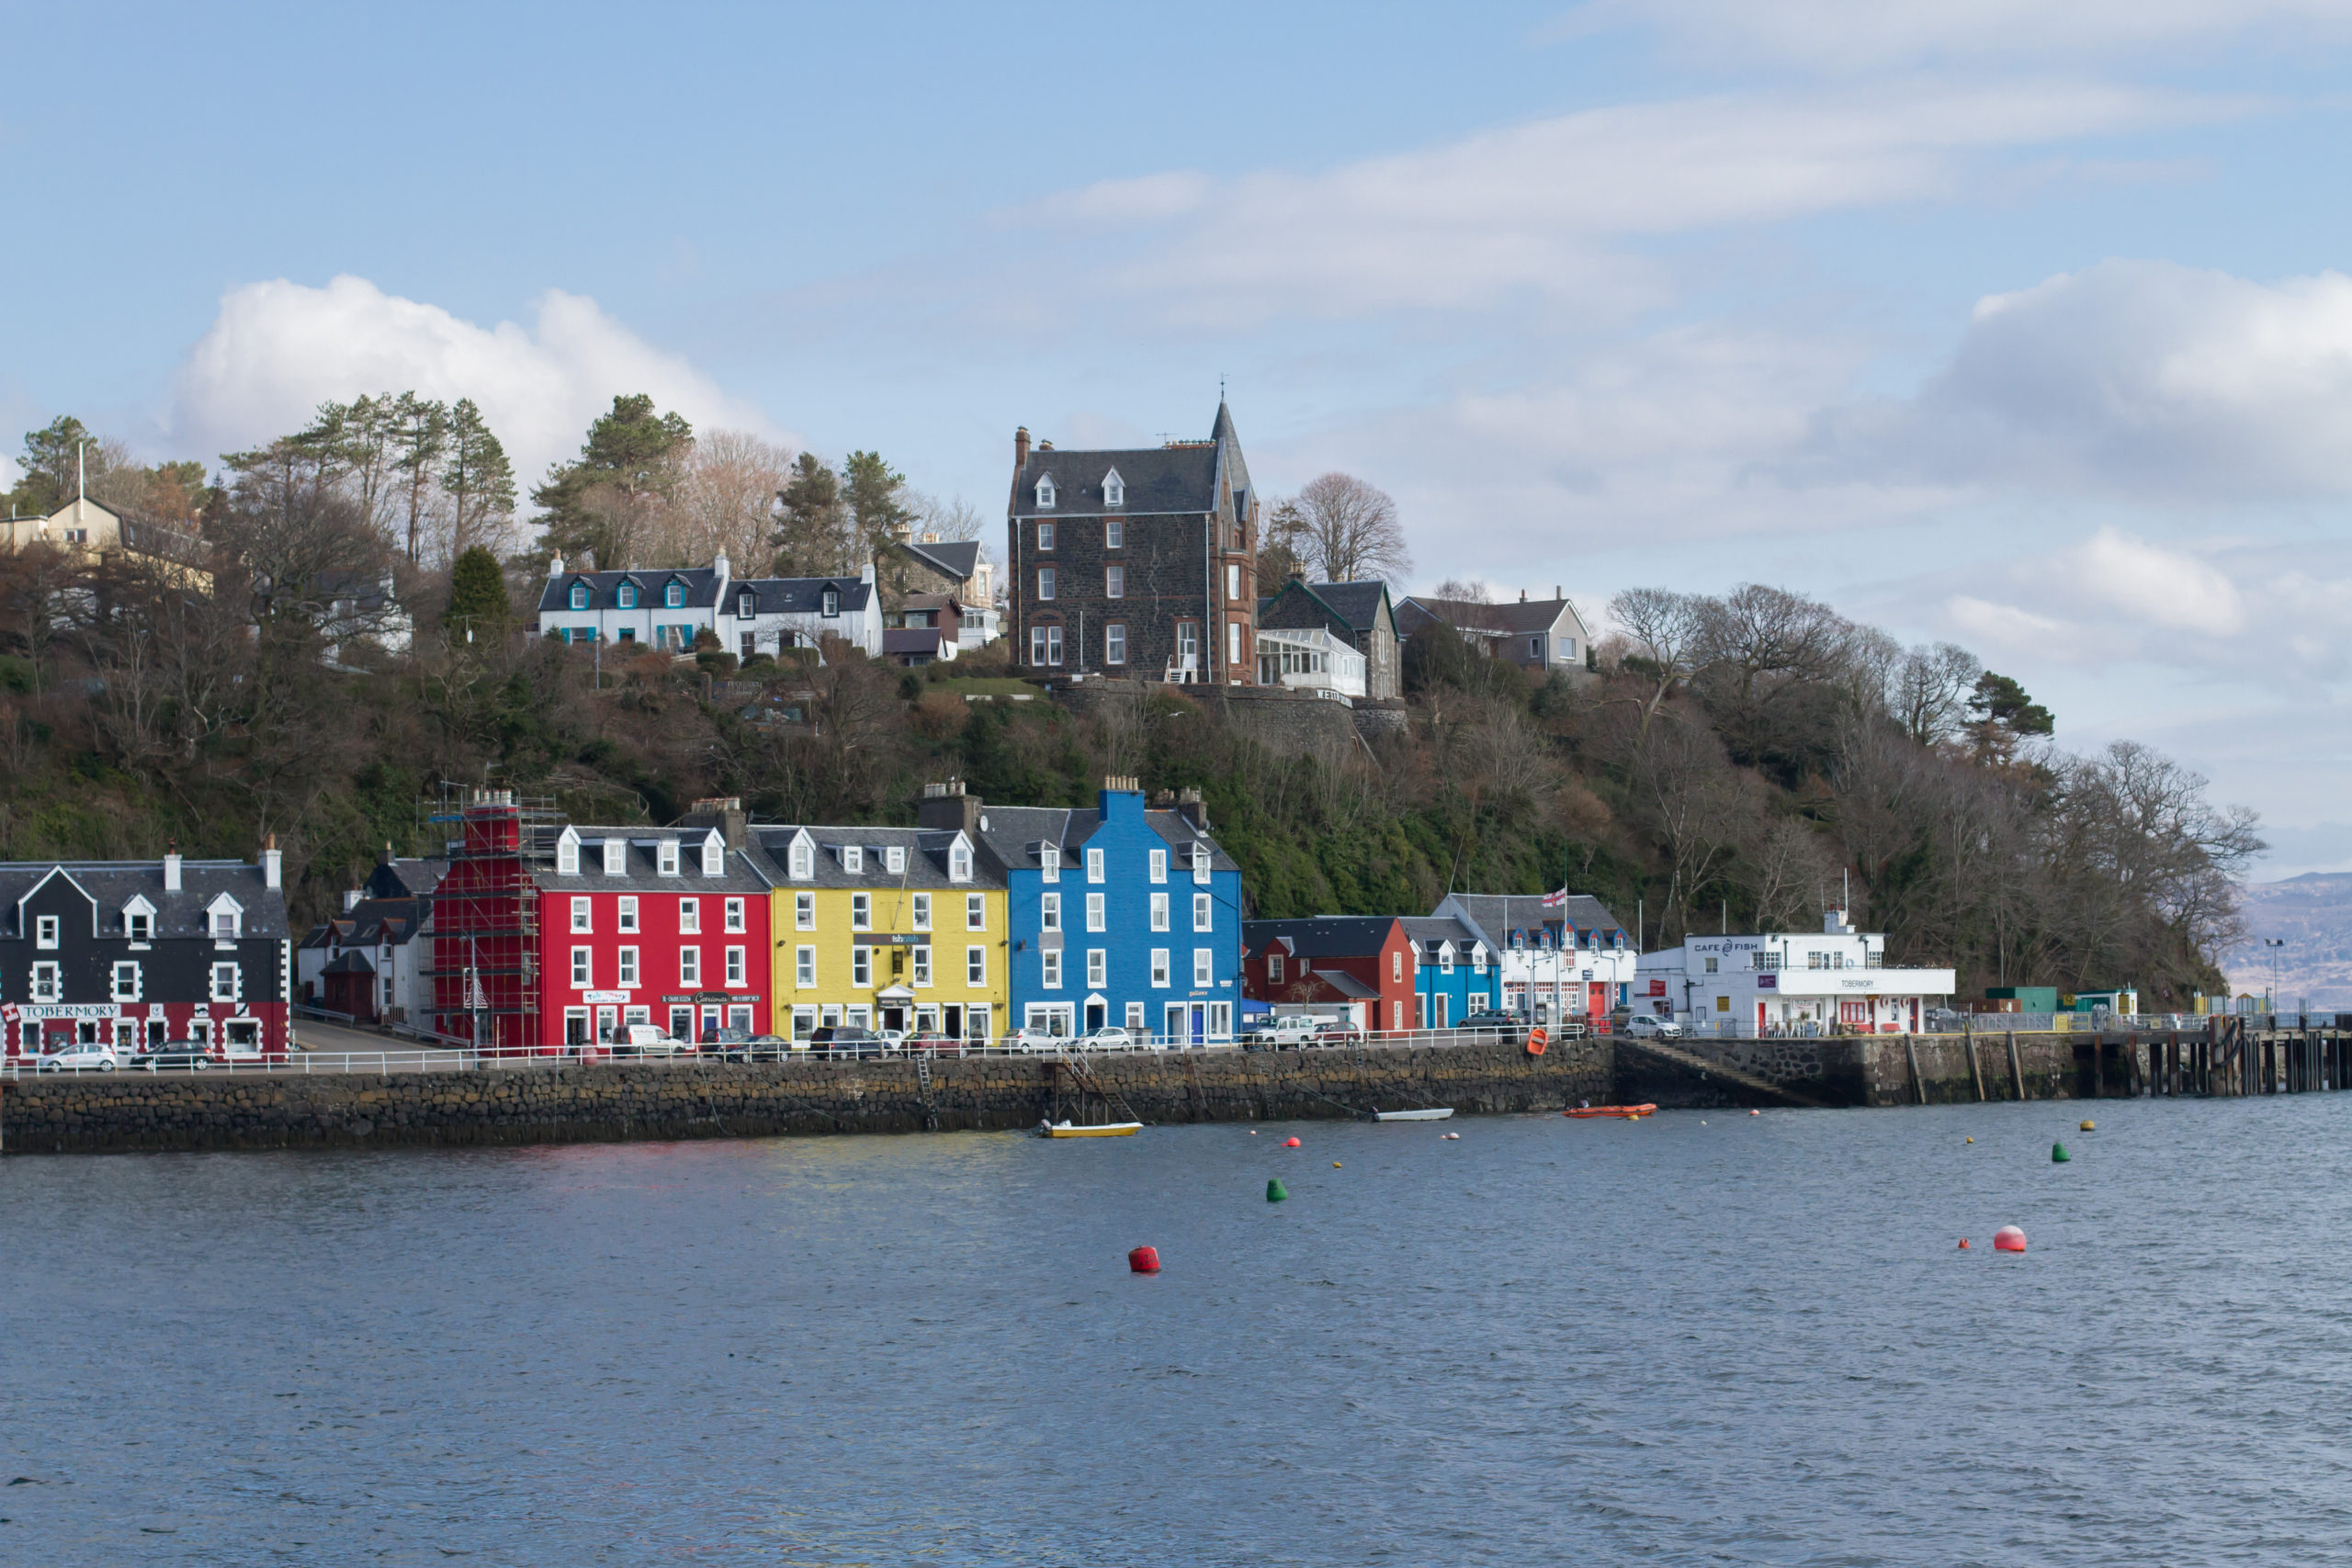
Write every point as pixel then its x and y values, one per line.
pixel 1503 1024
pixel 192 1054
pixel 1337 1031
pixel 844 1040
pixel 742 1046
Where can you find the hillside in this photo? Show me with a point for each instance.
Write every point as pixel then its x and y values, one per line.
pixel 2313 914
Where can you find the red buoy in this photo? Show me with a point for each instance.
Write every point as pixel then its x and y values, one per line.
pixel 2009 1239
pixel 1964 1244
pixel 1290 1144
pixel 1144 1260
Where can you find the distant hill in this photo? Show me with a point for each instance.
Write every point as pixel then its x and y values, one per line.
pixel 2313 913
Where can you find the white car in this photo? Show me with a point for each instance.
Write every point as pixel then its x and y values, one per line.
pixel 1110 1037
pixel 647 1040
pixel 1287 1029
pixel 1642 1026
pixel 1032 1040
pixel 80 1056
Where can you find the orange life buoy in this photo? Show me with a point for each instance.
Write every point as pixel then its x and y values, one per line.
pixel 1536 1040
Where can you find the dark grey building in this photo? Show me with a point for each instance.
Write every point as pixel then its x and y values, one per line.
pixel 1140 561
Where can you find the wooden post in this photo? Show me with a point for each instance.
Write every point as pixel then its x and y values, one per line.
pixel 1911 1055
pixel 1976 1064
pixel 2016 1071
pixel 2099 1066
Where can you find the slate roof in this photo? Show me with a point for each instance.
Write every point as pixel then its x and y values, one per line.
pixel 1352 606
pixel 702 584
pixel 1013 832
pixel 114 884
pixel 797 595
pixel 1158 479
pixel 641 864
pixel 405 877
pixel 911 640
pixel 1496 915
pixel 1320 936
pixel 926 860
pixel 1426 933
pixel 958 558
pixel 351 963
pixel 371 922
pixel 1522 616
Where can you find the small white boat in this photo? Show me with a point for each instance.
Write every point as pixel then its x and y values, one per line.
pixel 1438 1113
pixel 1104 1129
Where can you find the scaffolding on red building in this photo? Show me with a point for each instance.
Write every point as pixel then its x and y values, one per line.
pixel 484 962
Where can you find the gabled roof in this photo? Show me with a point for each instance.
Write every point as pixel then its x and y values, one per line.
pixel 1427 933
pixel 926 860
pixel 958 558
pixel 1159 480
pixel 404 877
pixel 113 884
pixel 1524 617
pixel 702 583
pixel 1496 915
pixel 1321 936
pixel 911 640
pixel 1013 832
pixel 1348 606
pixel 796 595
pixel 641 865
pixel 352 962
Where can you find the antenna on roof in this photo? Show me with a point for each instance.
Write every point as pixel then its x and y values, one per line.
pixel 1220 386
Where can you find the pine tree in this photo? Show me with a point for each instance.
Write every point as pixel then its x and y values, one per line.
pixel 808 539
pixel 420 437
pixel 875 493
pixel 478 480
pixel 478 609
pixel 596 505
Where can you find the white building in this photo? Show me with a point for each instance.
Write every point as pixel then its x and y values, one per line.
pixel 1554 961
pixel 1309 660
pixel 1833 982
pixel 670 606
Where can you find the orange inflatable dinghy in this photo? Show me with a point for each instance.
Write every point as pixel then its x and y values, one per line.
pixel 1624 1112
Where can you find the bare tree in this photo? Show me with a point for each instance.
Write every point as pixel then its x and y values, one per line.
pixel 1929 689
pixel 1464 591
pixel 726 501
pixel 1664 627
pixel 1787 871
pixel 1346 531
pixel 952 519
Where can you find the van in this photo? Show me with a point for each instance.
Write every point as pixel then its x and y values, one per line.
pixel 647 1040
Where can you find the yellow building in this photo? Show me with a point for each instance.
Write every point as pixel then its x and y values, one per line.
pixel 91 531
pixel 885 928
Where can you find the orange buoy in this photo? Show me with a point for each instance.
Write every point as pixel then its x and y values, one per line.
pixel 1290 1143
pixel 1144 1260
pixel 1964 1244
pixel 1756 1113
pixel 2009 1239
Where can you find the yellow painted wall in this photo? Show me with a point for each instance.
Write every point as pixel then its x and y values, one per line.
pixel 892 911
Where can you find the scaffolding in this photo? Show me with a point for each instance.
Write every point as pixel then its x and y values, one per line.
pixel 484 960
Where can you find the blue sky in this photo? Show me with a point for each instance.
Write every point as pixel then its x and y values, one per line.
pixel 2021 325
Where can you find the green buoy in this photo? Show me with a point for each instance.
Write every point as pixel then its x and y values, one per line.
pixel 2058 1155
pixel 1274 1194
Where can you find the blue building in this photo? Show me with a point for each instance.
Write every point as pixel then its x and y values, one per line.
pixel 1122 916
pixel 1455 972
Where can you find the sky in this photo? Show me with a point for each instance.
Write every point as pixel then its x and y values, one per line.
pixel 2021 325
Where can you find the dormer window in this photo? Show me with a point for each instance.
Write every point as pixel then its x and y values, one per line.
pixel 668 861
pixel 579 595
pixel 959 861
pixel 804 859
pixel 1049 856
pixel 626 596
pixel 854 859
pixel 714 855
pixel 615 856
pixel 139 924
pixel 746 605
pixel 894 859
pixel 567 855
pixel 1115 490
pixel 675 596
pixel 1045 494
pixel 832 601
pixel 226 917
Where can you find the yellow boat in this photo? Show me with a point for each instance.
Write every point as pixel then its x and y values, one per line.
pixel 1107 1130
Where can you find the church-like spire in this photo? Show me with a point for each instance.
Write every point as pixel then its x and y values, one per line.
pixel 1223 429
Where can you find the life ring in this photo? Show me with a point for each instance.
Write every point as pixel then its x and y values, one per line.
pixel 1536 1040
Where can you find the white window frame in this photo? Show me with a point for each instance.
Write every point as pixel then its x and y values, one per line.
pixel 959 861
pixel 1114 533
pixel 922 911
pixel 1051 960
pixel 861 966
pixel 1096 915
pixel 1114 643
pixel 233 989
pixel 861 911
pixel 1049 911
pixel 567 855
pixel 804 860
pixel 1160 866
pixel 1273 967
pixel 1114 586
pixel 975 966
pixel 922 963
pixel 735 969
pixel 48 982
pixel 975 912
pixel 1204 967
pixel 1049 863
pixel 1159 911
pixel 689 917
pixel 615 856
pixel 1159 968
pixel 1094 863
pixel 584 914
pixel 1115 490
pixel 1204 912
pixel 803 967
pixel 122 984
pixel 804 911
pixel 626 919
pixel 1046 585
pixel 627 978
pixel 735 916
pixel 1098 968
pixel 854 859
pixel 1201 863
pixel 582 969
pixel 665 862
pixel 48 933
pixel 1044 498
pixel 894 859
pixel 690 966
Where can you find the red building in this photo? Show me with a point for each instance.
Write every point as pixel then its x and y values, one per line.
pixel 550 934
pixel 1364 963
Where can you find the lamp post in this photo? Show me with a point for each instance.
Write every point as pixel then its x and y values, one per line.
pixel 2274 943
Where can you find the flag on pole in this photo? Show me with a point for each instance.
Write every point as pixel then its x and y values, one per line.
pixel 1554 900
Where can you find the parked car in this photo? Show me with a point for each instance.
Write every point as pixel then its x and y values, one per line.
pixel 1110 1037
pixel 727 1044
pixel 1336 1032
pixel 647 1040
pixel 931 1040
pixel 1026 1039
pixel 192 1054
pixel 1492 1022
pixel 80 1056
pixel 1643 1026
pixel 1283 1031
pixel 845 1040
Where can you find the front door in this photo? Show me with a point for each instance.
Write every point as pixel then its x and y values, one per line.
pixel 609 1023
pixel 1175 1031
pixel 1096 1016
pixel 1200 1030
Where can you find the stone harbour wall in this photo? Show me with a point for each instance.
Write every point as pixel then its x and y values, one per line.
pixel 608 1102
pixel 1885 1069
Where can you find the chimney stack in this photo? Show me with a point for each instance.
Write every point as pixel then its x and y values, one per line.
pixel 172 867
pixel 724 812
pixel 271 861
pixel 1555 591
pixel 1522 596
pixel 1192 809
pixel 1020 449
pixel 350 899
pixel 948 807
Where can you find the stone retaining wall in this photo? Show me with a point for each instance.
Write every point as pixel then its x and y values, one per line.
pixel 1877 1069
pixel 91 1114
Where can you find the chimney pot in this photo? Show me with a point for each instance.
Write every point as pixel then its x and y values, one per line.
pixel 1020 449
pixel 1522 596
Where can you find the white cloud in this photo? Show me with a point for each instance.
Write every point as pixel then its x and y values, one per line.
pixel 1542 210
pixel 1858 35
pixel 278 349
pixel 2142 380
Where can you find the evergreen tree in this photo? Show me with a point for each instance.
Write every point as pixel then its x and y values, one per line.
pixel 478 609
pixel 478 480
pixel 809 538
pixel 875 493
pixel 420 438
pixel 629 462
pixel 49 463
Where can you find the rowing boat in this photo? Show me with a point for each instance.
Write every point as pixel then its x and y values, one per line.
pixel 1106 1130
pixel 1437 1113
pixel 1622 1112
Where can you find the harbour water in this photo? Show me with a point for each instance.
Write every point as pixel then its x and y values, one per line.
pixel 1707 1337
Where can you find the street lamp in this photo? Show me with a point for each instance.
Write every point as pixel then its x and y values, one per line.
pixel 2274 943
